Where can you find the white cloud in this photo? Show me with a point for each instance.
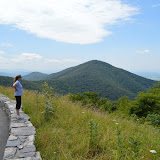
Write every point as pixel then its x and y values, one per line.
pixel 6 45
pixel 2 52
pixel 143 51
pixel 25 57
pixel 156 5
pixel 71 21
pixel 61 61
pixel 35 62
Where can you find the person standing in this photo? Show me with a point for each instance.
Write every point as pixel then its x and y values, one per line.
pixel 18 93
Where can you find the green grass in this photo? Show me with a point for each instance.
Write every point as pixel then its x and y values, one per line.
pixel 66 135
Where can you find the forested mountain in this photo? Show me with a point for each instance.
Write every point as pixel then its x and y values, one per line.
pixel 35 76
pixel 94 76
pixel 101 77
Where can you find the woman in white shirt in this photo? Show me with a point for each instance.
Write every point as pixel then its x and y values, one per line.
pixel 18 93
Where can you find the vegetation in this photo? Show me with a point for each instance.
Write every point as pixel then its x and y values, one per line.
pixel 67 135
pixel 99 77
pixel 35 76
pixel 93 76
pixel 8 82
pixel 49 104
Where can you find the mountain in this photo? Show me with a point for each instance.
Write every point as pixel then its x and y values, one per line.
pixel 35 76
pixel 8 81
pixel 150 75
pixel 93 76
pixel 100 77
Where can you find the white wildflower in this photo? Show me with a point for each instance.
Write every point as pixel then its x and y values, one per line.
pixel 153 151
pixel 82 112
pixel 116 123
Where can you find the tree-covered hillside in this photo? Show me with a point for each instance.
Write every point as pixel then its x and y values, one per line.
pixel 35 76
pixel 100 77
pixel 93 76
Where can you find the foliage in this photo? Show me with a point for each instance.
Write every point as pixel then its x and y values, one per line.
pixel 66 136
pixel 94 138
pixel 154 119
pixel 120 142
pixel 92 100
pixel 135 147
pixel 93 76
pixel 35 76
pixel 49 104
pixel 147 103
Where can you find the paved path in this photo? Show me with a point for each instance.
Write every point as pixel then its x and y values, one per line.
pixel 4 131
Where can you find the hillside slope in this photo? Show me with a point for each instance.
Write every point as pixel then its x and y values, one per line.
pixel 67 135
pixel 35 76
pixel 101 77
pixel 92 76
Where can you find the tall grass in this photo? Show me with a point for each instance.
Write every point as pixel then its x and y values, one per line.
pixel 66 135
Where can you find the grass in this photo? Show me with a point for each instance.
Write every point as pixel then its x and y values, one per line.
pixel 66 135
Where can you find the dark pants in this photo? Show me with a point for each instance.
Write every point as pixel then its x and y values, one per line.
pixel 18 102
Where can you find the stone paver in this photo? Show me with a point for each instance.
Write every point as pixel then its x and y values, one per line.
pixel 20 143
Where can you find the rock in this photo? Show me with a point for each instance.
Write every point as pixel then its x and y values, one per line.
pixel 20 146
pixel 27 154
pixel 29 124
pixel 29 140
pixel 12 138
pixel 10 152
pixel 13 143
pixel 28 158
pixel 38 156
pixel 24 137
pixel 29 148
pixel 23 131
pixel 16 125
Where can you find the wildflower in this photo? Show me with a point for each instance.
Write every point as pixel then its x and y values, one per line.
pixel 137 119
pixel 153 151
pixel 114 120
pixel 82 112
pixel 116 123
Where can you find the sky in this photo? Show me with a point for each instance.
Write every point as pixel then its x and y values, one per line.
pixel 51 35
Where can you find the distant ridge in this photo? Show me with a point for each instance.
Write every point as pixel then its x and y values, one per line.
pixel 93 76
pixel 101 77
pixel 35 76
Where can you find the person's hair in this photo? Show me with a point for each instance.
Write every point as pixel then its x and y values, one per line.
pixel 16 77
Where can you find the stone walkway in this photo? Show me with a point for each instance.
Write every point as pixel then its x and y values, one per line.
pixel 20 144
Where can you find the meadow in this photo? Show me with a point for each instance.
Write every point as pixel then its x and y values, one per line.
pixel 67 134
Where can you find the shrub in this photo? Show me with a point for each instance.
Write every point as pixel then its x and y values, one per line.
pixel 49 104
pixel 146 103
pixel 94 138
pixel 154 119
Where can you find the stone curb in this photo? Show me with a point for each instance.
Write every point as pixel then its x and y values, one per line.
pixel 20 143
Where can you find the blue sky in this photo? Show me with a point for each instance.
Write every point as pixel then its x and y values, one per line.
pixel 50 37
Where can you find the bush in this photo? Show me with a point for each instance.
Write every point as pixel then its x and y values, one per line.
pixel 154 119
pixel 146 103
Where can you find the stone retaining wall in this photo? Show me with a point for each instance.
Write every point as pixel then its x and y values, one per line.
pixel 20 143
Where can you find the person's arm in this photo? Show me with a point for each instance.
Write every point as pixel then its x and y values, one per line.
pixel 14 86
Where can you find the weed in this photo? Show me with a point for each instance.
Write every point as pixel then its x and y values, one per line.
pixel 49 104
